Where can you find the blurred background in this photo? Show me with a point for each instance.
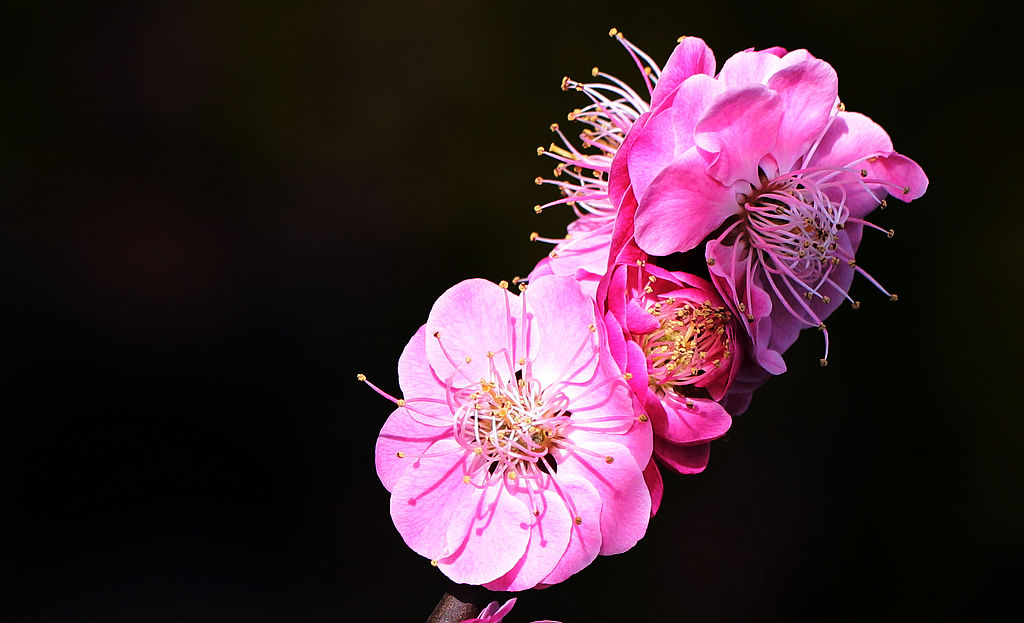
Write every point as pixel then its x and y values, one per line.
pixel 214 215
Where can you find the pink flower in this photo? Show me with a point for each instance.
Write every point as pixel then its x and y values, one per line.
pixel 680 350
pixel 581 175
pixel 494 614
pixel 515 457
pixel 765 159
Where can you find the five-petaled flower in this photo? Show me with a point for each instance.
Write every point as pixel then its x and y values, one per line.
pixel 515 456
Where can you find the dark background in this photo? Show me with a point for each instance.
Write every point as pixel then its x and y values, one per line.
pixel 215 215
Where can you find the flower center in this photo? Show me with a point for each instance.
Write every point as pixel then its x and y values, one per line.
pixel 792 223
pixel 510 425
pixel 690 342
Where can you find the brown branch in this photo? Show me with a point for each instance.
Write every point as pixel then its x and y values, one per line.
pixel 459 603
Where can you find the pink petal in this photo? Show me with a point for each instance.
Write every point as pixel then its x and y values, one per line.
pixel 651 151
pixel 487 535
pixel 639 322
pixel 652 476
pixel 691 101
pixel 472 318
pixel 809 92
pixel 681 207
pixel 737 130
pixel 564 347
pixel 691 56
pixel 584 538
pixel 683 459
pixel 625 500
pixel 748 67
pixel 549 538
pixel 618 178
pixel 402 433
pixel 703 420
pixel 418 382
pixel 426 495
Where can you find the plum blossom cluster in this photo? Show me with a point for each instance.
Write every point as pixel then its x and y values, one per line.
pixel 533 417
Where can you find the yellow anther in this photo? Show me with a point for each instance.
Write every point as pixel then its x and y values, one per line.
pixel 592 328
pixel 891 233
pixel 437 334
pixel 627 375
pixel 594 72
pixel 536 513
pixel 609 459
pixel 823 362
pixel 433 563
pixel 533 236
pixel 538 180
pixel 469 360
pixel 855 304
pixel 361 377
pixel 863 172
pixel 711 261
pixel 522 287
pixel 906 190
pixel 565 83
pixel 538 209
pixel 522 361
pixel 578 520
pixel 400 454
pixel 893 298
pixel 540 152
pixel 883 205
pixel 643 417
pixel 512 475
pixel 503 284
pixel 613 32
pixel 553 127
pixel 680 39
pixel 821 327
pixel 826 299
pixel 401 402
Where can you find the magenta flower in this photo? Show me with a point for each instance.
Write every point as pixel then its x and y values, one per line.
pixel 581 175
pixel 515 457
pixel 681 353
pixel 495 614
pixel 765 159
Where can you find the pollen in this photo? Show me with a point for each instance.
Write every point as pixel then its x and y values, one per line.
pixel 466 479
pixel 361 378
pixel 400 454
pixel 643 417
pixel 893 297
pixel 609 459
pixel 578 520
pixel 401 402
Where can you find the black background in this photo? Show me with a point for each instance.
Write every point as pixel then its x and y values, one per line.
pixel 214 215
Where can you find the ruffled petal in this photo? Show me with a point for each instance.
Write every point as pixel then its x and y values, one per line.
pixel 809 92
pixel 688 420
pixel 585 537
pixel 683 459
pixel 691 56
pixel 681 207
pixel 737 130
pixel 744 68
pixel 563 348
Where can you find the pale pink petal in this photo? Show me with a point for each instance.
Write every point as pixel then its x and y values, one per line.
pixel 585 537
pixel 421 388
pixel 426 495
pixel 625 500
pixel 748 67
pixel 691 56
pixel 681 207
pixel 403 434
pixel 549 538
pixel 487 535
pixel 737 130
pixel 618 178
pixel 809 92
pixel 564 347
pixel 472 318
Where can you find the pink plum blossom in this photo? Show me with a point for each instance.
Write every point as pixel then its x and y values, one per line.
pixel 681 355
pixel 494 613
pixel 765 160
pixel 515 456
